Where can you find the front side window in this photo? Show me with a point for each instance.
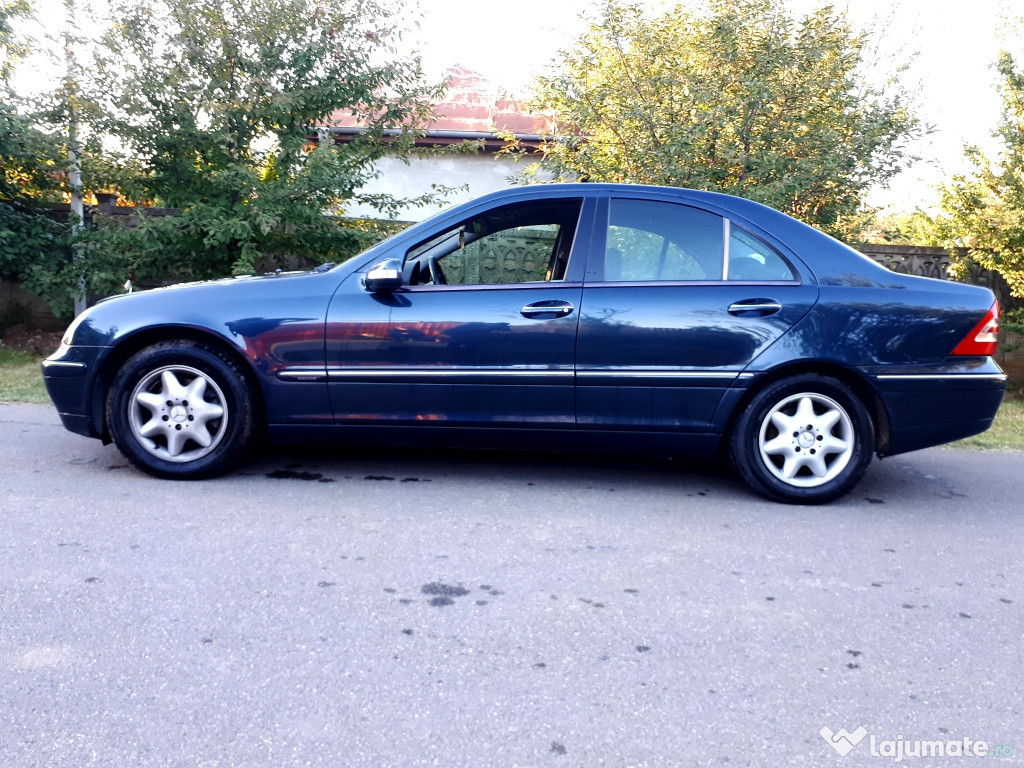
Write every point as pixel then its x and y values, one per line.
pixel 524 243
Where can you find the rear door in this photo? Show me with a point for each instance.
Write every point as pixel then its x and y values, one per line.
pixel 677 302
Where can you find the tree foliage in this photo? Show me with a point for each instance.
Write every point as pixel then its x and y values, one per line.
pixel 984 211
pixel 27 155
pixel 29 166
pixel 12 47
pixel 917 228
pixel 213 104
pixel 742 99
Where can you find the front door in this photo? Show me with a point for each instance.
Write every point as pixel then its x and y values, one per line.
pixel 483 333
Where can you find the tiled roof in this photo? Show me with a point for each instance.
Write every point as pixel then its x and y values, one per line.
pixel 475 106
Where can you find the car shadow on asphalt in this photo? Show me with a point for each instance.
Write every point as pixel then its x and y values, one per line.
pixel 898 480
pixel 322 464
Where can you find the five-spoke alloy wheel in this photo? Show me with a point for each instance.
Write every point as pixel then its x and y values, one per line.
pixel 804 440
pixel 181 410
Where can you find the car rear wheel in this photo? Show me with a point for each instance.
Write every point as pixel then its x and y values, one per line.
pixel 804 440
pixel 181 410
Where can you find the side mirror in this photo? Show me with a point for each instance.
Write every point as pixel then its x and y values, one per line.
pixel 384 276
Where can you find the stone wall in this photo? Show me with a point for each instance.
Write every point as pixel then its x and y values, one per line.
pixel 19 307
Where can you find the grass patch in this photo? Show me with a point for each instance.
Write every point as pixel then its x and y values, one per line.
pixel 21 380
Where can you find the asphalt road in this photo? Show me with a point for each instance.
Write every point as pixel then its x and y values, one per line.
pixel 456 609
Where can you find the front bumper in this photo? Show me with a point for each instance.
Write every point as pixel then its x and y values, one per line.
pixel 70 377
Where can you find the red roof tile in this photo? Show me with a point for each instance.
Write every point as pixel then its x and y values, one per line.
pixel 474 105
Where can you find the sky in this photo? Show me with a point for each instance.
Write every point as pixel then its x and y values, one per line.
pixel 956 43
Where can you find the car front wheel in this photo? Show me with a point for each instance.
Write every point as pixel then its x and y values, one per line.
pixel 804 440
pixel 181 410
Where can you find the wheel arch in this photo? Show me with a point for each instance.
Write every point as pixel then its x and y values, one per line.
pixel 147 337
pixel 860 386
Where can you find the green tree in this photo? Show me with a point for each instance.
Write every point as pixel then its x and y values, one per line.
pixel 12 46
pixel 30 165
pixel 984 211
pixel 213 104
pixel 901 228
pixel 26 169
pixel 741 99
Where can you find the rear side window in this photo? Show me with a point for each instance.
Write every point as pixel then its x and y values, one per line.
pixel 651 240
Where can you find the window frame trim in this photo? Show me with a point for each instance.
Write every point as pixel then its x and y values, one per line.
pixel 726 235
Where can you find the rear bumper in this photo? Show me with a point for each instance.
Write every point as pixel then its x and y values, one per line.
pixel 932 408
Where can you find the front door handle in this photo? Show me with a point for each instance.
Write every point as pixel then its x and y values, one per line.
pixel 554 308
pixel 755 308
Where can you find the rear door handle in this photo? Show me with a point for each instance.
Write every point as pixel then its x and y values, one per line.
pixel 555 308
pixel 755 308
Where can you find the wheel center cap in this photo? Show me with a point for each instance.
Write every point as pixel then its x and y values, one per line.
pixel 806 439
pixel 179 414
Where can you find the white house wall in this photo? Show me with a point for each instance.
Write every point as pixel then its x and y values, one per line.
pixel 474 175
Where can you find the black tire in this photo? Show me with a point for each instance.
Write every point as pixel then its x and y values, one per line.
pixel 162 431
pixel 785 459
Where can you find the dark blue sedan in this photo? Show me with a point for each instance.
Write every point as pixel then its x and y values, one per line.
pixel 559 317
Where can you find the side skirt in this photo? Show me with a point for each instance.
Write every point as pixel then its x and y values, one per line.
pixel 541 440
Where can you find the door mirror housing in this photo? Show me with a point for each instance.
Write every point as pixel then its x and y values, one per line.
pixel 384 276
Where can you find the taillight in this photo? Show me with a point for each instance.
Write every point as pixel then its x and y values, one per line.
pixel 983 338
